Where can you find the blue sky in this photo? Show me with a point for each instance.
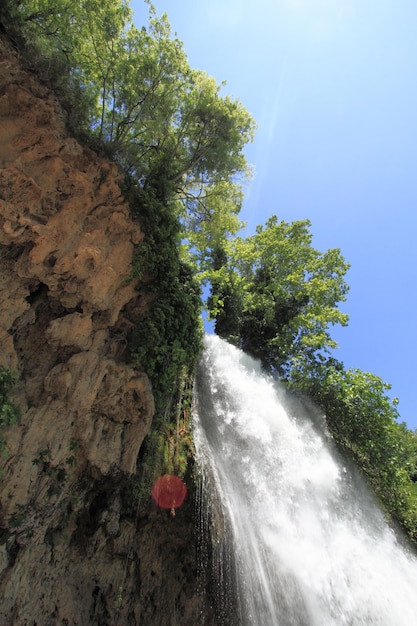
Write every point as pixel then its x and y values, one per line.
pixel 332 85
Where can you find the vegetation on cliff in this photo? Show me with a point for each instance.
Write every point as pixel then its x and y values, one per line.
pixel 130 91
pixel 9 411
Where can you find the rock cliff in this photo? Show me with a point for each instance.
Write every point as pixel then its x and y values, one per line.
pixel 69 552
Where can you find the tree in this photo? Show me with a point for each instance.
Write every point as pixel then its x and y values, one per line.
pixel 86 36
pixel 288 292
pixel 149 107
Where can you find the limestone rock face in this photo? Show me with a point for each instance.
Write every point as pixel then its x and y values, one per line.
pixel 68 553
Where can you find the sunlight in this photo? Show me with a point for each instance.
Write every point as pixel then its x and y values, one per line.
pixel 339 9
pixel 319 21
pixel 313 5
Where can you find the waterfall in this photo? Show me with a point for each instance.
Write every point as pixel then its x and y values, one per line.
pixel 303 539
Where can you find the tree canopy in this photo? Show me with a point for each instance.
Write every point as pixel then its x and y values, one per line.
pixel 281 293
pixel 147 105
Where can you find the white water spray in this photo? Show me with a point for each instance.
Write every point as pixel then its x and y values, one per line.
pixel 310 545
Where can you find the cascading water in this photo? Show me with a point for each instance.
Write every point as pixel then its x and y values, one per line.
pixel 310 545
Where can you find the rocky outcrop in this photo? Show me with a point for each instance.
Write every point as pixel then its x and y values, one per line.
pixel 69 553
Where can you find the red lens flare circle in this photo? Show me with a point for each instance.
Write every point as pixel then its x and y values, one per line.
pixel 169 492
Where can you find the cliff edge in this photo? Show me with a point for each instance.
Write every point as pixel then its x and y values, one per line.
pixel 69 553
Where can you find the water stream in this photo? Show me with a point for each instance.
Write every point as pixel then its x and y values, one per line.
pixel 304 540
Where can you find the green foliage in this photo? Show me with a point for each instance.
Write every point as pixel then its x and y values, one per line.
pixel 74 445
pixel 133 89
pixel 57 474
pixel 9 412
pixel 168 338
pixel 276 296
pixel 43 459
pixel 212 219
pixel 363 420
pixel 168 449
pixel 19 517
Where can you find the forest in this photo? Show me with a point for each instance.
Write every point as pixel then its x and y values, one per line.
pixel 130 94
